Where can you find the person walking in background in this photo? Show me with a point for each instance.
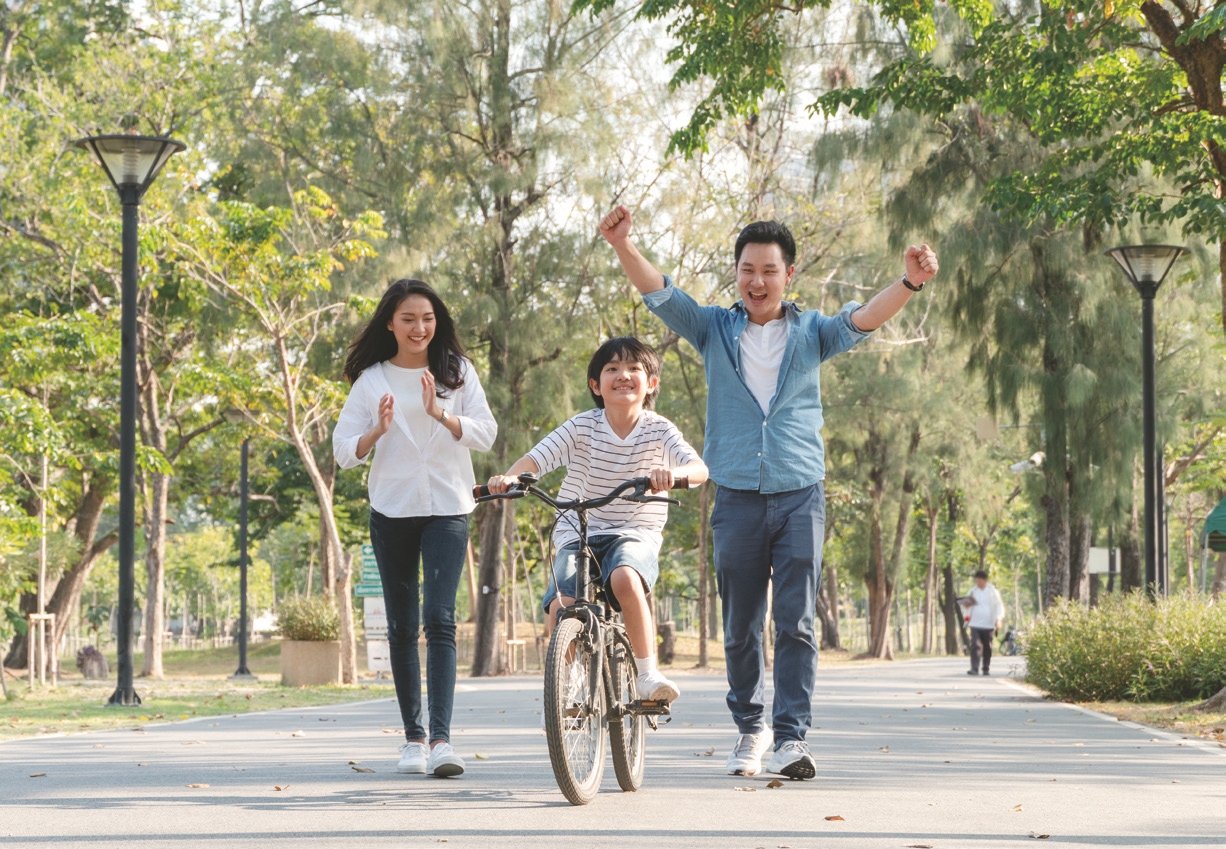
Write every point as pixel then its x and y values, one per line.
pixel 417 398
pixel 985 611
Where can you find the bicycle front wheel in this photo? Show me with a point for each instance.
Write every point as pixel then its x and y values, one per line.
pixel 574 719
pixel 627 735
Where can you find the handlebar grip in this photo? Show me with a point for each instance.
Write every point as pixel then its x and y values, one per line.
pixel 480 491
pixel 680 483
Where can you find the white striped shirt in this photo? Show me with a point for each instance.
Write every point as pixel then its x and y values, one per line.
pixel 596 461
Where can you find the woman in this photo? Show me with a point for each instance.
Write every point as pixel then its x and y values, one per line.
pixel 416 396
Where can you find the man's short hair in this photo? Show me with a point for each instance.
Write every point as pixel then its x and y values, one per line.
pixel 628 350
pixel 767 233
pixel 979 573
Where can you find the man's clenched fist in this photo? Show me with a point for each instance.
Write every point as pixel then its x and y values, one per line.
pixel 615 226
pixel 921 264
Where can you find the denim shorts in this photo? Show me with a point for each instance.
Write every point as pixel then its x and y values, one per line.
pixel 610 551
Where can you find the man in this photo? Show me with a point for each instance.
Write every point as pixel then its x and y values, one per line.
pixel 765 453
pixel 985 611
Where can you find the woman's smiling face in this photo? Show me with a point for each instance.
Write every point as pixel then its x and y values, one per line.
pixel 762 276
pixel 413 324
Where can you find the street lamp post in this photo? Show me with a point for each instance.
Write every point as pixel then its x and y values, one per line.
pixel 235 416
pixel 1146 266
pixel 131 163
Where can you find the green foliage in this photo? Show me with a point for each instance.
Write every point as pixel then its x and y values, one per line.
pixel 1130 648
pixel 313 618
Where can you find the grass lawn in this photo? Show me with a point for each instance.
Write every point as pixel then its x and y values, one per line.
pixel 1173 716
pixel 196 685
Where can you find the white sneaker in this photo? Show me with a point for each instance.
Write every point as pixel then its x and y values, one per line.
pixel 792 759
pixel 746 756
pixel 654 685
pixel 444 762
pixel 412 758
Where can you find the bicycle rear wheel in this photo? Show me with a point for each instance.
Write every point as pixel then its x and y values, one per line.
pixel 574 722
pixel 627 735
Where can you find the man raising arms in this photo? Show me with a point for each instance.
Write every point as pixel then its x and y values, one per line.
pixel 765 453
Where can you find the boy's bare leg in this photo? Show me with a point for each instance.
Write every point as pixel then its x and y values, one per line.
pixel 636 613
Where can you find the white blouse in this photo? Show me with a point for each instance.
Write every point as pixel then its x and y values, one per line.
pixel 406 478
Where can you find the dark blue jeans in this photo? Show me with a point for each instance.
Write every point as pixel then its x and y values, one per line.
pixel 421 556
pixel 760 540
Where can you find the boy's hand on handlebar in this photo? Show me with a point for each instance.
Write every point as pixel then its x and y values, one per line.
pixel 661 479
pixel 499 484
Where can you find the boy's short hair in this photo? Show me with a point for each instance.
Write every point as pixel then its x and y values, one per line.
pixel 767 233
pixel 628 350
pixel 979 573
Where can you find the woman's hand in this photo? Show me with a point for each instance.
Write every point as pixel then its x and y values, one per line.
pixel 661 479
pixel 499 484
pixel 387 409
pixel 429 396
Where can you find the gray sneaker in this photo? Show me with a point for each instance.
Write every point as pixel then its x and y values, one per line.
pixel 792 759
pixel 746 755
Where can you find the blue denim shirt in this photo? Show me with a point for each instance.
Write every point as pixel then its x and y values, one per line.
pixel 783 450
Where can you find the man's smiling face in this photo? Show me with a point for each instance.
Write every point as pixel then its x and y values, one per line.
pixel 762 276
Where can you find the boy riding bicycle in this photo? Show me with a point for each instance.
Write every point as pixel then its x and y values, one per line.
pixel 620 440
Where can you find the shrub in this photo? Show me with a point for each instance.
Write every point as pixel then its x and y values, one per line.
pixel 1130 648
pixel 311 618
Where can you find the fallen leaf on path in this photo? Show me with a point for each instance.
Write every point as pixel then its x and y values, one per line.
pixel 99 746
pixel 362 769
pixel 1016 809
pixel 835 818
pixel 280 787
pixel 481 757
pixel 885 749
pixel 1079 744
pixel 745 789
pixel 38 775
pixel 192 742
pixel 197 786
pixel 774 784
pixel 355 763
pixel 1039 836
pixel 919 846
pixel 708 753
pixel 143 764
pixel 298 734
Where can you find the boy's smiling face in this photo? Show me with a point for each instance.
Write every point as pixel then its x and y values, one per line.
pixel 624 384
pixel 762 276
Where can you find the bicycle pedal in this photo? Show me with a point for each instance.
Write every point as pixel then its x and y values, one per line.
pixel 649 707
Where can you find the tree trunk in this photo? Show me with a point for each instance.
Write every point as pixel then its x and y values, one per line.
pixel 955 627
pixel 1132 566
pixel 1055 506
pixel 831 579
pixel 880 589
pixel 704 583
pixel 1080 536
pixel 487 653
pixel 155 572
pixel 928 608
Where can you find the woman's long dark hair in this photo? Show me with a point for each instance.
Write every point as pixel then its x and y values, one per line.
pixel 376 343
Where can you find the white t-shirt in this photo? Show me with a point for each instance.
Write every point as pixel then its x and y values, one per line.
pixel 984 607
pixel 406 389
pixel 762 347
pixel 596 461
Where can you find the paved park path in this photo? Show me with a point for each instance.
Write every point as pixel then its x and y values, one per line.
pixel 909 754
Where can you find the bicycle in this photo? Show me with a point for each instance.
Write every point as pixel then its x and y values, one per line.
pixel 590 673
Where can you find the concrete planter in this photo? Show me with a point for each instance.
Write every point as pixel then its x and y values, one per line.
pixel 305 662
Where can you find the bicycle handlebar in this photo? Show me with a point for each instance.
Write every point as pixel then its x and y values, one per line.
pixel 519 490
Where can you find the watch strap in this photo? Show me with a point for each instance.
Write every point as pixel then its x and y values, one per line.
pixel 911 285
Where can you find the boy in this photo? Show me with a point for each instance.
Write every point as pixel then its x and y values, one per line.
pixel 764 445
pixel 620 440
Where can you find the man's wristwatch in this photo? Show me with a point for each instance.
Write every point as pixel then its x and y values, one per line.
pixel 910 285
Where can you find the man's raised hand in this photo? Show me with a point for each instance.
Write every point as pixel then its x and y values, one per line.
pixel 921 263
pixel 615 226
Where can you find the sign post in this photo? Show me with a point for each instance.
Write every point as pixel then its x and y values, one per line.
pixel 374 614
